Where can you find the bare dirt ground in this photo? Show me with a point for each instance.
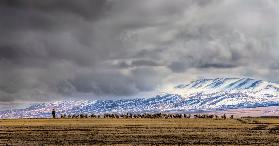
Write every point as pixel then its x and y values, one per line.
pixel 139 132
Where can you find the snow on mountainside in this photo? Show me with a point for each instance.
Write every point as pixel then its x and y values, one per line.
pixel 244 85
pixel 198 96
pixel 229 93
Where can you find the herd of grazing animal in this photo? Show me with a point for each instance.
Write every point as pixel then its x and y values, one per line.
pixel 150 116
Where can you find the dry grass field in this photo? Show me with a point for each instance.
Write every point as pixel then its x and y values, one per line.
pixel 139 132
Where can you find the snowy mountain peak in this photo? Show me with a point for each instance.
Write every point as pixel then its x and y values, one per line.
pixel 226 84
pixel 210 87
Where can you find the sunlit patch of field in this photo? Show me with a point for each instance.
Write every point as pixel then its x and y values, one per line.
pixel 251 131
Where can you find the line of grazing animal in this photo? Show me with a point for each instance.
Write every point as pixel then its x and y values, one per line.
pixel 146 115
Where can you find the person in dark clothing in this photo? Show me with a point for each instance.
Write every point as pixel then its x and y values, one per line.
pixel 53 114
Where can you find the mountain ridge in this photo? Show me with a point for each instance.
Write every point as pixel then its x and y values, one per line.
pixel 204 95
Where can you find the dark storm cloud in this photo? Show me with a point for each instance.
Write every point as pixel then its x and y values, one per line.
pixel 214 65
pixel 112 83
pixel 35 33
pixel 144 63
pixel 86 8
pixel 106 83
pixel 58 48
pixel 138 63
pixel 184 64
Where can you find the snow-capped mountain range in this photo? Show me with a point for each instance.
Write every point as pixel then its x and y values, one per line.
pixel 205 95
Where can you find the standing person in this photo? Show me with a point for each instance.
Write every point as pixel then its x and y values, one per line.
pixel 53 114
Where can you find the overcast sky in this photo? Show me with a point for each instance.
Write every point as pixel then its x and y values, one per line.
pixel 51 49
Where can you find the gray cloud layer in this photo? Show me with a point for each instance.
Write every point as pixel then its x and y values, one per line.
pixel 60 48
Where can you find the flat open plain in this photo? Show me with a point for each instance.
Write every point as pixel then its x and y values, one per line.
pixel 254 131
